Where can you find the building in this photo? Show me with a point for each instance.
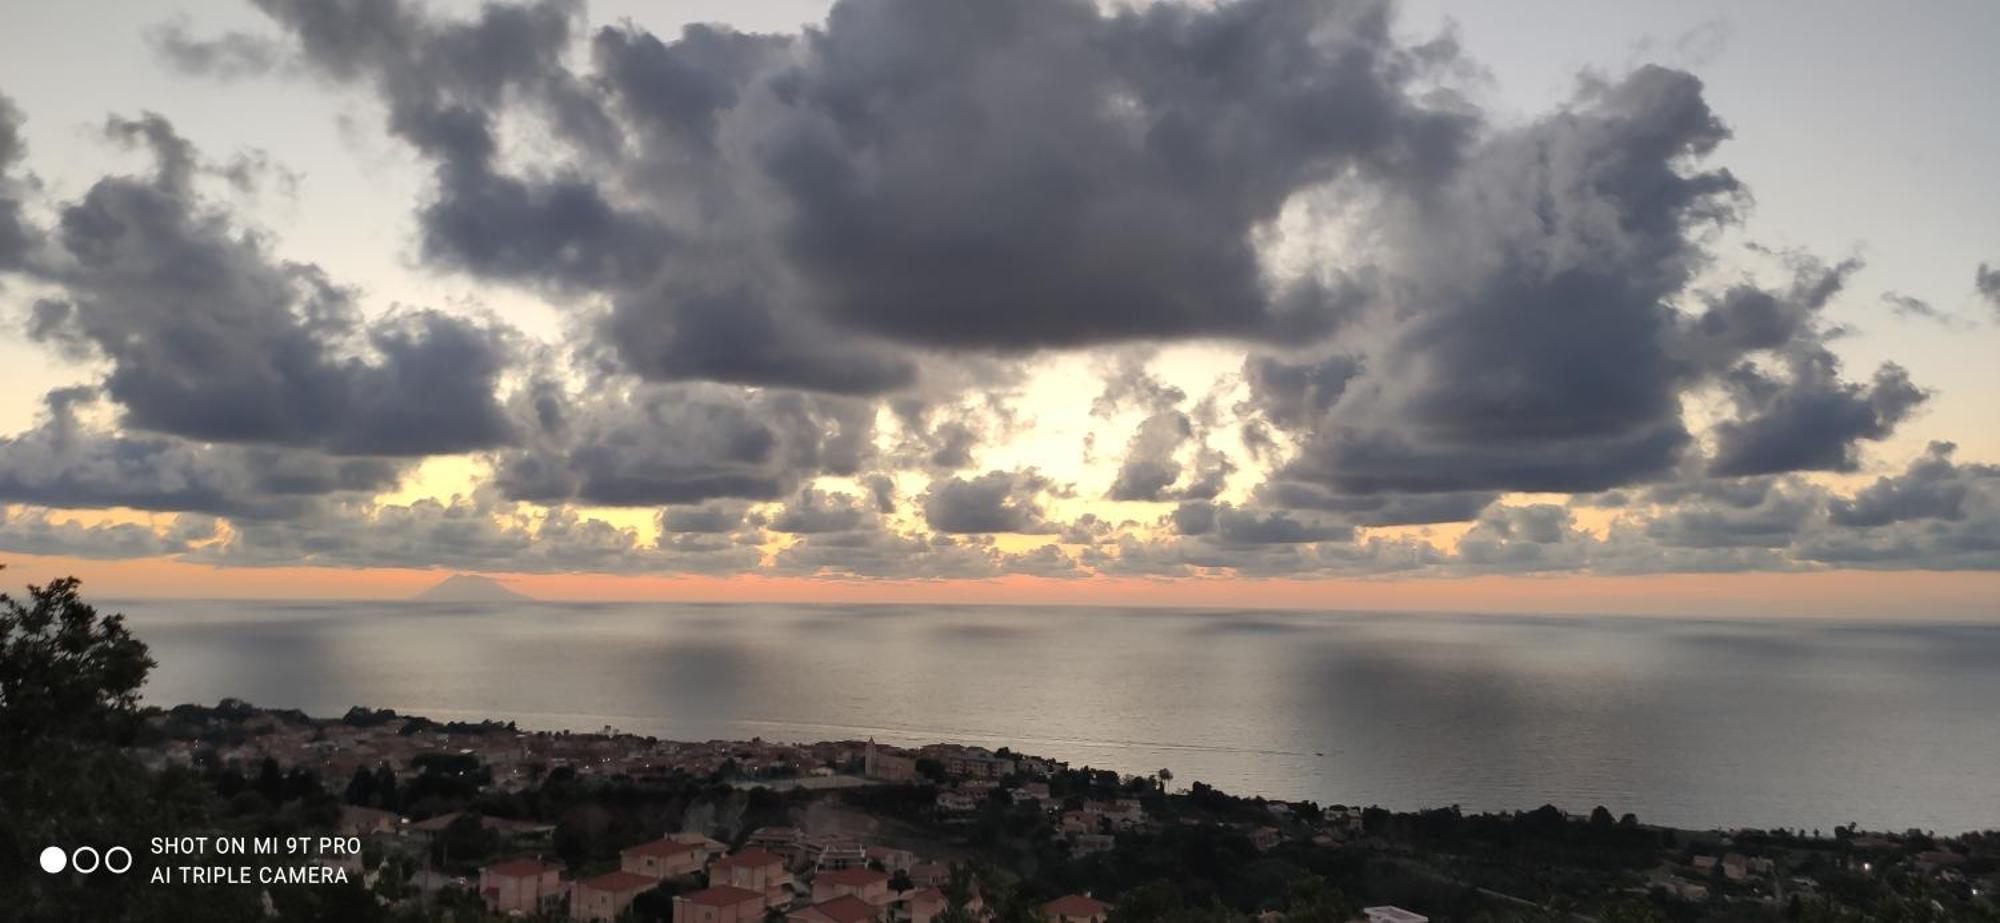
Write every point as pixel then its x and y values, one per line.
pixel 606 896
pixel 865 883
pixel 1076 908
pixel 523 886
pixel 1085 844
pixel 834 852
pixel 720 904
pixel 667 858
pixel 787 842
pixel 359 821
pixel 754 869
pixel 877 763
pixel 930 874
pixel 921 906
pixel 956 802
pixel 1388 914
pixel 843 909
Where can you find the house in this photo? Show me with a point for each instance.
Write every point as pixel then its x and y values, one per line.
pixel 606 896
pixel 930 874
pixel 664 858
pixel 708 844
pixel 1080 822
pixel 1076 908
pixel 1389 914
pixel 956 802
pixel 1264 838
pixel 719 904
pixel 787 842
pixel 834 852
pixel 843 909
pixel 920 906
pixel 1084 844
pixel 359 821
pixel 754 869
pixel 523 886
pixel 890 858
pixel 878 763
pixel 865 883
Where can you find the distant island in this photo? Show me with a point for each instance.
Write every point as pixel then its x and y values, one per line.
pixel 470 588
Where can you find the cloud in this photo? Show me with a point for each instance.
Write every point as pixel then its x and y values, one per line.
pixel 778 209
pixel 65 463
pixel 1810 420
pixel 1936 515
pixel 37 531
pixel 1933 488
pixel 211 338
pixel 1153 465
pixel 1986 280
pixel 645 445
pixel 1912 307
pixel 1229 525
pixel 17 237
pixel 1529 346
pixel 997 501
pixel 227 56
pixel 814 512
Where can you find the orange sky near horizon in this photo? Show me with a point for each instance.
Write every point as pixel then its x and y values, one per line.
pixel 1921 595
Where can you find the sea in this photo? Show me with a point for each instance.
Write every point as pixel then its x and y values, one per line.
pixel 1698 723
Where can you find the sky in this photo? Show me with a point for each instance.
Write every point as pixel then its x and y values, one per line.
pixel 1551 306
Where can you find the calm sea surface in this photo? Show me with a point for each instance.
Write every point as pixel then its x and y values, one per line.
pixel 1693 723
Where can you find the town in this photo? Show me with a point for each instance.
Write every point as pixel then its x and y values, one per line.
pixel 466 821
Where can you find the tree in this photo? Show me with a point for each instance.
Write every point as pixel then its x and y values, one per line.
pixel 65 673
pixel 69 687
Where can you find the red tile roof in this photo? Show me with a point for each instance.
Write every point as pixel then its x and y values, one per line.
pixel 617 882
pixel 851 877
pixel 847 909
pixel 1076 905
pixel 519 868
pixel 723 896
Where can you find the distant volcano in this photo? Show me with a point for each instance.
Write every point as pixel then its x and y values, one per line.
pixel 469 588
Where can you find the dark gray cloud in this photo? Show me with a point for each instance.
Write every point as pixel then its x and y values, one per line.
pixel 226 56
pixel 1937 514
pixel 1380 509
pixel 1171 445
pixel 1986 281
pixel 716 518
pixel 1933 488
pixel 1007 177
pixel 1912 307
pixel 65 463
pixel 1230 525
pixel 1746 513
pixel 17 237
pixel 34 531
pixel 997 501
pixel 815 512
pixel 1810 420
pixel 1525 539
pixel 680 444
pixel 1035 173
pixel 209 337
pixel 1530 295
